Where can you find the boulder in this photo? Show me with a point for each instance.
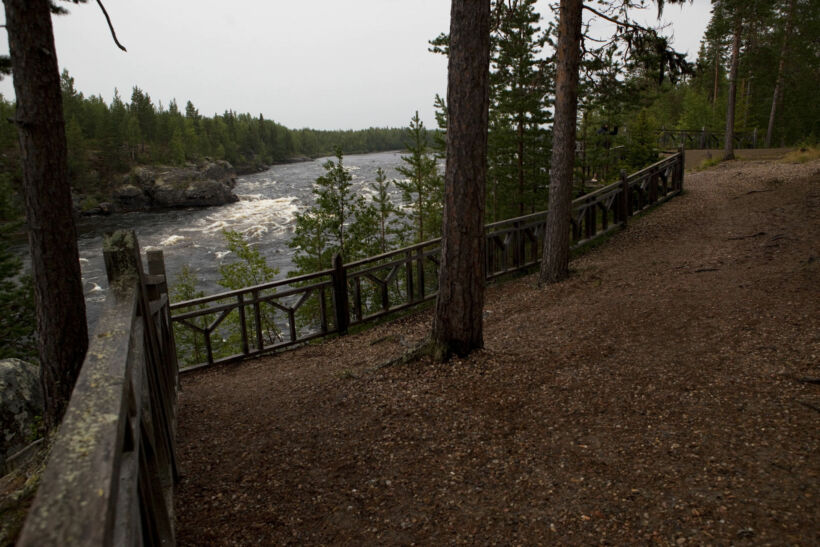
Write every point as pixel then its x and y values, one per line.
pixel 203 193
pixel 162 187
pixel 21 406
pixel 131 197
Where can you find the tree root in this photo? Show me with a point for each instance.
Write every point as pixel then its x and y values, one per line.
pixel 425 348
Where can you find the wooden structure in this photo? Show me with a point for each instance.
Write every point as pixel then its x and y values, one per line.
pixel 109 478
pixel 251 321
pixel 700 139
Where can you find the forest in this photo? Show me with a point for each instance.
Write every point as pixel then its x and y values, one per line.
pixel 108 139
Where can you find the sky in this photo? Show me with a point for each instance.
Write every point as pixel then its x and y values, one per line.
pixel 324 64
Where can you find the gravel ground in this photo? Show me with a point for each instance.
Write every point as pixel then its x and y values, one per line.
pixel 665 394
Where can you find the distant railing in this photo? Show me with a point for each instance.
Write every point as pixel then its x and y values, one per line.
pixel 700 139
pixel 110 475
pixel 247 322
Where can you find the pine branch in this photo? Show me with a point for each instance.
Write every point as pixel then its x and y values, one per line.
pixel 111 26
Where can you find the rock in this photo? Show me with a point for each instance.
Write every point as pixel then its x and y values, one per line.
pixel 208 192
pixel 21 406
pixel 130 197
pixel 162 187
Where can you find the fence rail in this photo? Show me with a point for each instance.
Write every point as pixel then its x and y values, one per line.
pixel 251 321
pixel 703 138
pixel 110 474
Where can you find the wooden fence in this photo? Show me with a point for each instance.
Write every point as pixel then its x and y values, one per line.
pixel 251 321
pixel 700 139
pixel 109 478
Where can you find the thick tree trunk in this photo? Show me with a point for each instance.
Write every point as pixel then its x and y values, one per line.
pixel 458 321
pixel 729 142
pixel 778 85
pixel 555 260
pixel 58 290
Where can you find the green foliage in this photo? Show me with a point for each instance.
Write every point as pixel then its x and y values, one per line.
pixel 423 189
pixel 251 268
pixel 339 221
pixel 17 318
pixel 248 270
pixel 190 344
pixel 388 216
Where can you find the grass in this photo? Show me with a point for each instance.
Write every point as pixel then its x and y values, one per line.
pixel 708 162
pixel 802 155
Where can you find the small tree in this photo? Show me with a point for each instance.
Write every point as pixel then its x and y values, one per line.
pixel 339 221
pixel 189 343
pixel 423 189
pixel 249 270
pixel 387 214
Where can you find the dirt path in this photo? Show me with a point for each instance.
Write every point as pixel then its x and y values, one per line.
pixel 658 396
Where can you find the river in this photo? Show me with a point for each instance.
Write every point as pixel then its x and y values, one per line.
pixel 264 213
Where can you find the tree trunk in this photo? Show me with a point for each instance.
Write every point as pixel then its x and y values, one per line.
pixel 555 261
pixel 58 290
pixel 729 143
pixel 717 78
pixel 458 321
pixel 520 139
pixel 778 85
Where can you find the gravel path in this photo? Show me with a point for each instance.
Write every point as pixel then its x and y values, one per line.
pixel 666 393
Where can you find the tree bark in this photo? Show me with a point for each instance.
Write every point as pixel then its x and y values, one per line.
pixel 778 85
pixel 458 321
pixel 555 260
pixel 58 290
pixel 729 143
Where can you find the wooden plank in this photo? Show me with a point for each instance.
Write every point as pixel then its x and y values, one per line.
pixel 75 502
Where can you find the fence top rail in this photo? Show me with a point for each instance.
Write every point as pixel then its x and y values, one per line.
pixel 637 175
pixel 260 287
pixel 76 501
pixel 391 254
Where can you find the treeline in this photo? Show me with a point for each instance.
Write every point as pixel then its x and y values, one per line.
pixel 107 139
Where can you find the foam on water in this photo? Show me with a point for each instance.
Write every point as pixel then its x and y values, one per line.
pixel 171 240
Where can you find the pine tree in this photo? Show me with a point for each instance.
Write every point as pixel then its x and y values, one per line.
pixel 338 222
pixel 388 216
pixel 458 320
pixel 423 188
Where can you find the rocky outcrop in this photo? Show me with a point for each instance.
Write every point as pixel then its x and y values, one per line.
pixel 21 406
pixel 147 188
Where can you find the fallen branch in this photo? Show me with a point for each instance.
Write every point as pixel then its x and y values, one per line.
pixel 809 405
pixel 752 192
pixel 758 234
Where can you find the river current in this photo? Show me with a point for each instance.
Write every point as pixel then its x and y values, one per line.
pixel 264 213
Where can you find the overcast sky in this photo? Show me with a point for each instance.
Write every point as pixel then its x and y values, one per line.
pixel 325 64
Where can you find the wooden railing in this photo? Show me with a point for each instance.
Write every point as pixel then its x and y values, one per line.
pixel 109 478
pixel 235 325
pixel 701 139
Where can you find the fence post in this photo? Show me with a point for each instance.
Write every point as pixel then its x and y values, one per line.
pixel 624 212
pixel 121 253
pixel 754 138
pixel 681 168
pixel 340 294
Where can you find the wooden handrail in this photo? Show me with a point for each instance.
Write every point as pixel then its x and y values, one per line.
pixel 111 470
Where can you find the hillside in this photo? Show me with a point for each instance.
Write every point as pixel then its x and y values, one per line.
pixel 666 393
